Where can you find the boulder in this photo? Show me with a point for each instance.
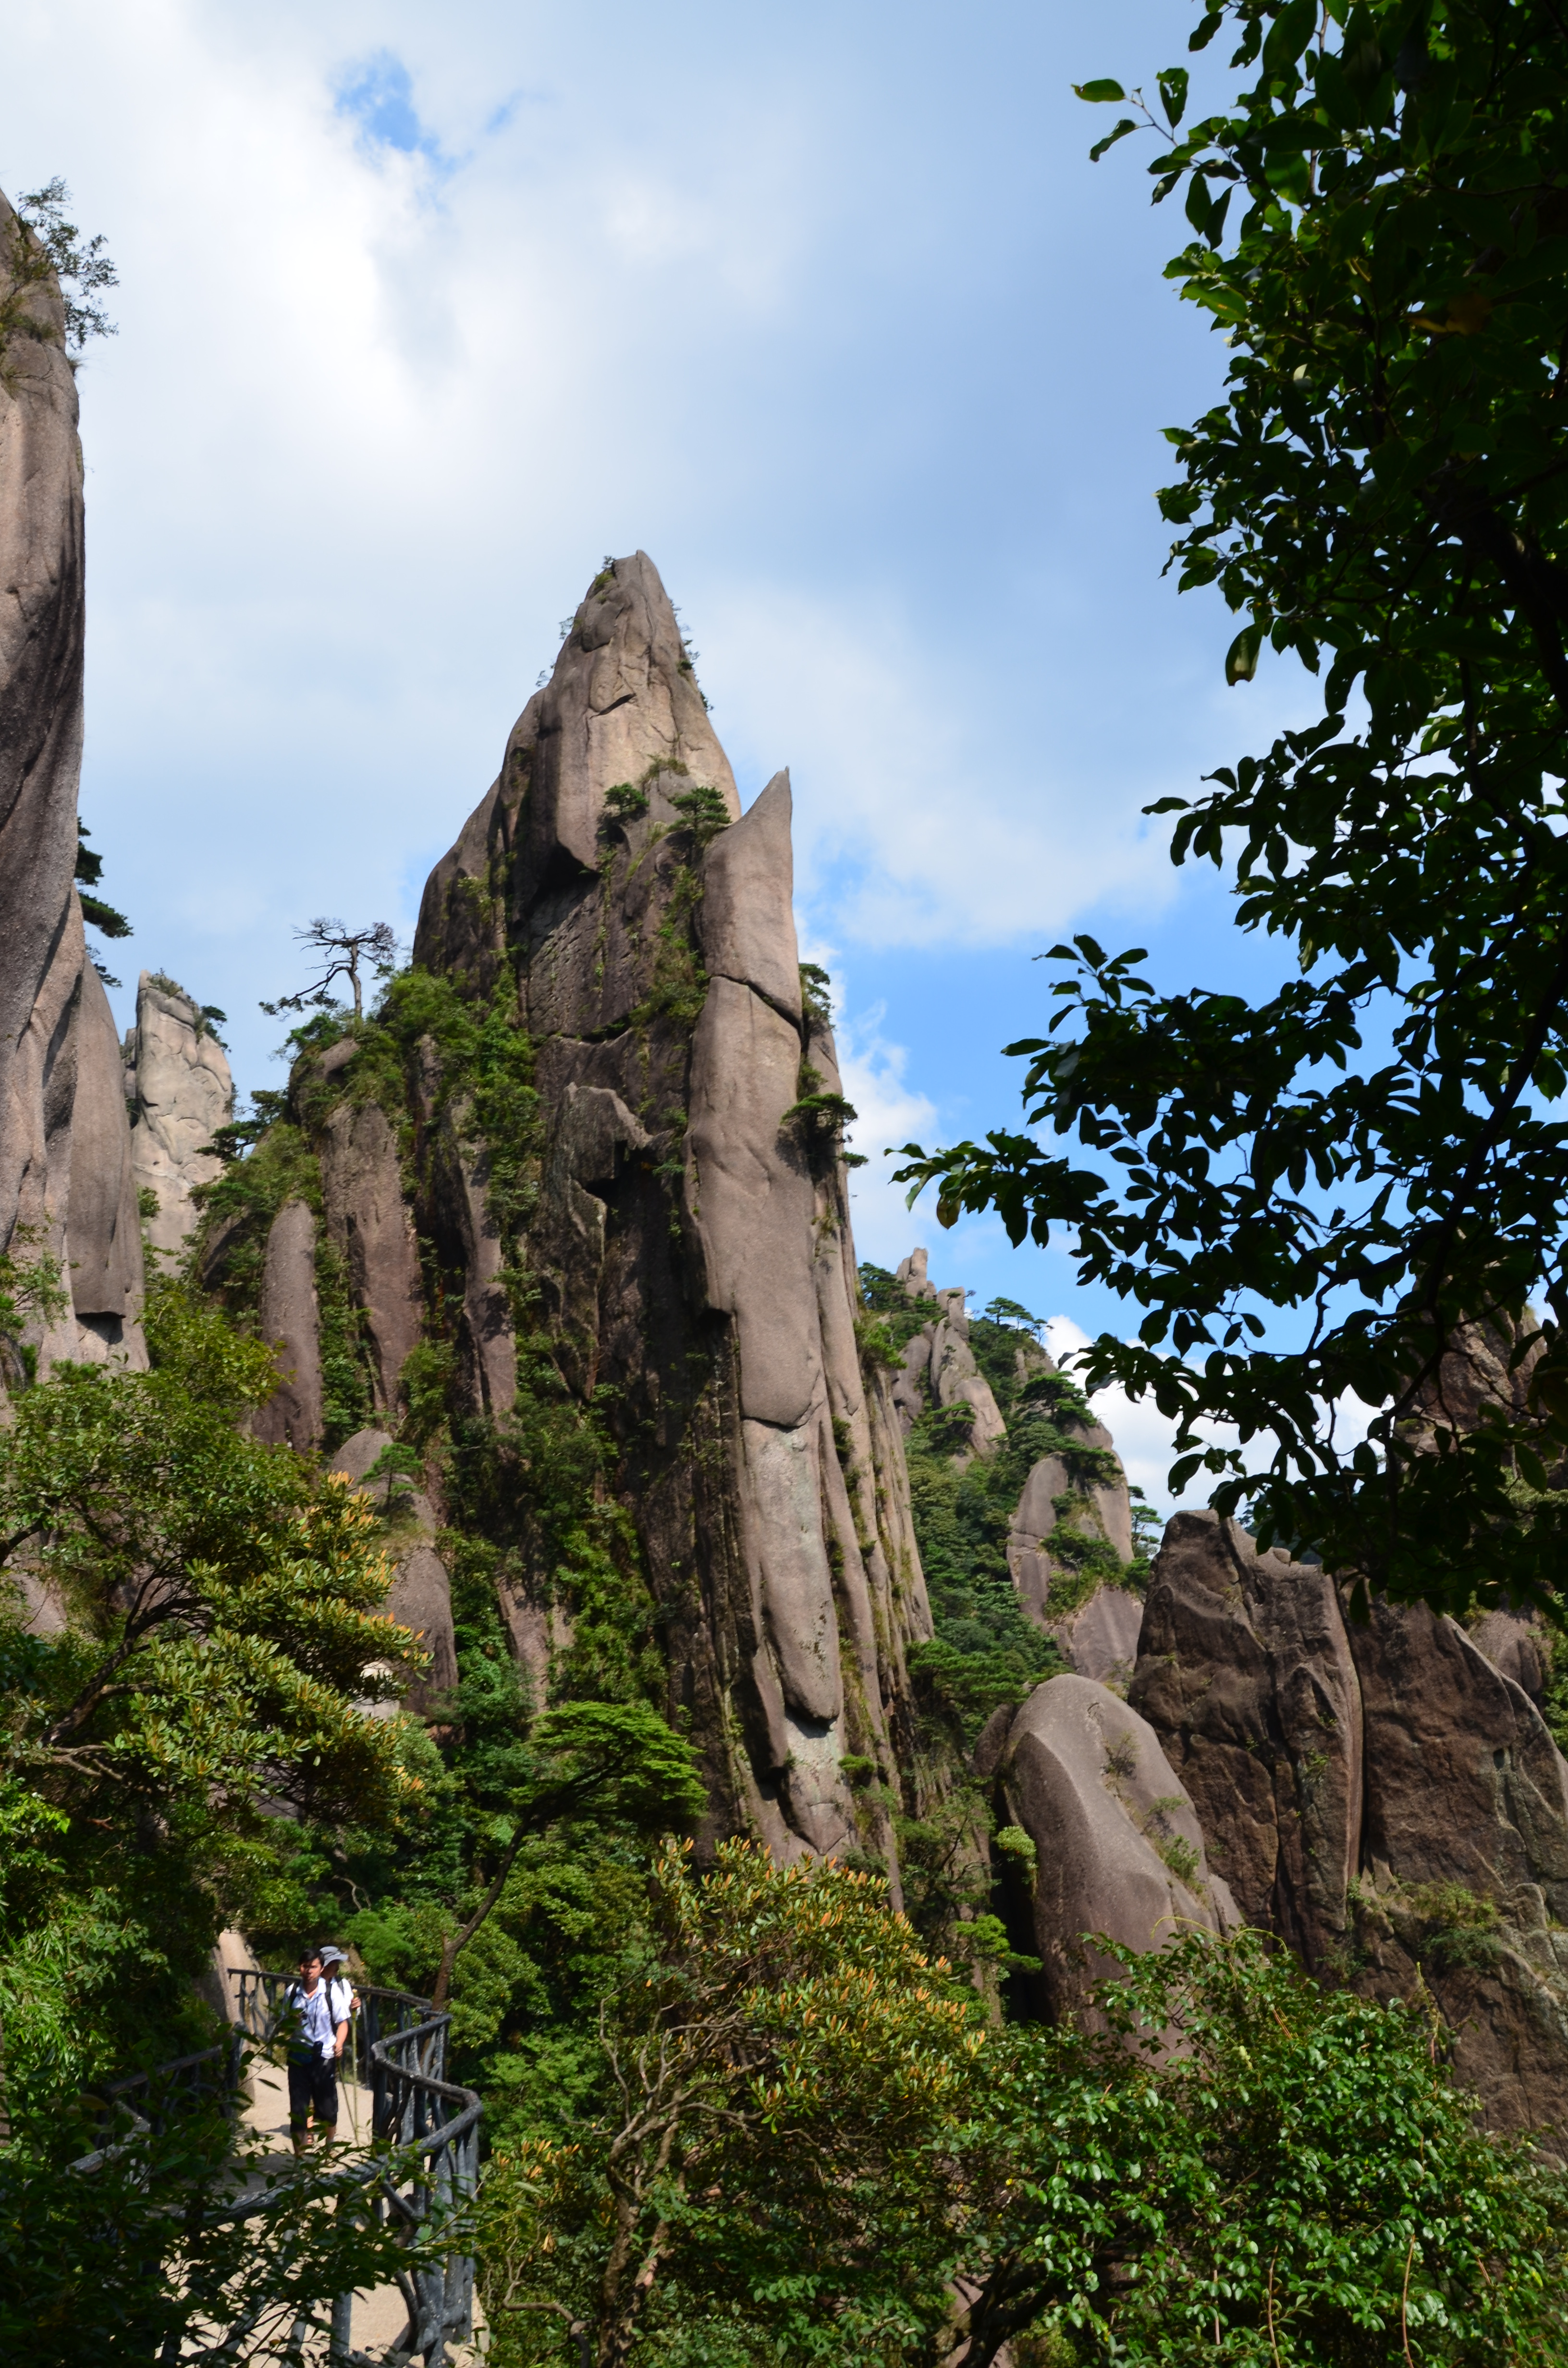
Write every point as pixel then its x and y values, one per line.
pixel 1099 1640
pixel 421 1599
pixel 291 1320
pixel 1245 1672
pixel 357 1457
pixel 182 1094
pixel 1120 1848
pixel 370 1224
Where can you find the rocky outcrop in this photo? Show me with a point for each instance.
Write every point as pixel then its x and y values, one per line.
pixel 938 1364
pixel 179 1084
pixel 291 1320
pixel 370 1224
pixel 630 1202
pixel 1382 1795
pixel 1245 1672
pixel 1068 1493
pixel 63 1164
pixel 41 567
pixel 1118 1847
pixel 1100 1638
pixel 421 1594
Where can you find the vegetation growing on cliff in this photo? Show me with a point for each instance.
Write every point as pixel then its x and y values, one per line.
pixel 984 1651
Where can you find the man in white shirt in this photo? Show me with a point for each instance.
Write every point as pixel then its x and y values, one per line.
pixel 315 2042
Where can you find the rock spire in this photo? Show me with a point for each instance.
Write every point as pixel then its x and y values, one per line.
pixel 65 1188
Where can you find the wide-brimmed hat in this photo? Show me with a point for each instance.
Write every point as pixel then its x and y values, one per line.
pixel 332 1957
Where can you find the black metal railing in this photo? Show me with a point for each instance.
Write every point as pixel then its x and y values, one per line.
pixel 400 2041
pixel 430 2124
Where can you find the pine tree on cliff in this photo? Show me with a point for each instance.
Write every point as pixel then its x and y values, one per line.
pixel 341 953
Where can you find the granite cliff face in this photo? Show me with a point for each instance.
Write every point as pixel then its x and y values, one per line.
pixel 1384 1795
pixel 599 1185
pixel 64 1153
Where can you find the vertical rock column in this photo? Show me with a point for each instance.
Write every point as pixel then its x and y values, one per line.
pixel 73 1203
pixel 689 1244
pixel 182 1094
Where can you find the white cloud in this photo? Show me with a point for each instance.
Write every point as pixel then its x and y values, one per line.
pixel 915 820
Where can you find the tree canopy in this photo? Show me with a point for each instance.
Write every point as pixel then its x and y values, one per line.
pixel 192 1644
pixel 1313 1192
pixel 809 2142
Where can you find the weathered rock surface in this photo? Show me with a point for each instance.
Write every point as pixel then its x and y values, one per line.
pixel 748 921
pixel 1513 1645
pixel 1463 1782
pixel 290 1320
pixel 1120 1851
pixel 182 1092
pixel 1245 1672
pixel 1383 1797
pixel 370 1225
pixel 421 1592
pixel 1099 1640
pixel 103 1230
pixel 41 632
pixel 677 1240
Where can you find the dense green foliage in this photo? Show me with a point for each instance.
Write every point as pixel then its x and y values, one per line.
pixel 218 1609
pixel 1374 1149
pixel 807 2135
pixel 756 2161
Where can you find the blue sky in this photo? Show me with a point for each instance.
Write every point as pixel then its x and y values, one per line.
pixel 423 311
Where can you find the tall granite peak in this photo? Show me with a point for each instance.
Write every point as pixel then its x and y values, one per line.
pixel 64 1154
pixel 622 706
pixel 631 1201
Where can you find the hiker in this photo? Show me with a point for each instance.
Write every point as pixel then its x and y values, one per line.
pixel 343 2000
pixel 315 2042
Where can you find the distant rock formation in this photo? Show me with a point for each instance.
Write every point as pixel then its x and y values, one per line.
pixel 64 1187
pixel 177 1081
pixel 938 1363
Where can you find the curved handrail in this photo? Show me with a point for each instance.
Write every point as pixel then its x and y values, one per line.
pixel 431 2122
pixel 429 2119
